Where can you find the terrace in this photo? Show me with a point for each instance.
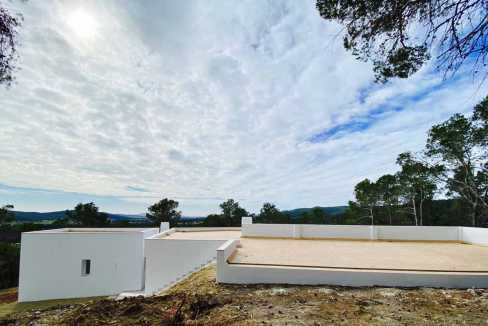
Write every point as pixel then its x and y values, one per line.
pixel 363 255
pixel 404 256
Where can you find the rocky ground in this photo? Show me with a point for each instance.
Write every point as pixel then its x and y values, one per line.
pixel 200 301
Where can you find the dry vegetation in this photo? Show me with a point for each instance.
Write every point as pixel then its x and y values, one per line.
pixel 200 301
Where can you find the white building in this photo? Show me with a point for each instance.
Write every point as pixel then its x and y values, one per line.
pixel 82 262
pixel 67 263
pixel 86 262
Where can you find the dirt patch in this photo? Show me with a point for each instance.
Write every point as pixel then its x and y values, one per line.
pixel 8 295
pixel 200 301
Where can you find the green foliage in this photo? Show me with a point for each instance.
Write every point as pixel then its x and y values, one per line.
pixel 367 196
pixel 86 215
pixel 9 24
pixel 232 213
pixel 214 220
pixel 455 159
pixel 401 63
pixel 271 214
pixel 389 190
pixel 315 216
pixel 417 183
pixel 397 35
pixel 461 144
pixel 164 210
pixel 6 215
pixel 298 212
pixel 9 265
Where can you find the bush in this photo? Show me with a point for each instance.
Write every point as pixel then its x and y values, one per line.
pixel 9 265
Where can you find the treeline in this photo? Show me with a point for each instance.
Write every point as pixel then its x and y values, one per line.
pixel 232 214
pixel 454 164
pixel 9 252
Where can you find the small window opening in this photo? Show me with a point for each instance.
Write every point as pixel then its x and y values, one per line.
pixel 85 267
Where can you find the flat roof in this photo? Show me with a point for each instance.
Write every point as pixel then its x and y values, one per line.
pixel 202 235
pixel 364 255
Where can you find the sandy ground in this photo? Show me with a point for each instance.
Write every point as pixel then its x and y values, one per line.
pixel 415 256
pixel 198 300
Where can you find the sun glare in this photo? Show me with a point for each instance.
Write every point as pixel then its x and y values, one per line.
pixel 82 23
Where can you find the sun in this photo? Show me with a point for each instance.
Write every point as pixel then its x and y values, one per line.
pixel 82 23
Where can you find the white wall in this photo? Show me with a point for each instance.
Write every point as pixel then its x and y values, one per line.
pixel 409 232
pixel 268 230
pixel 335 231
pixel 475 235
pixel 306 231
pixel 50 264
pixel 249 274
pixel 224 274
pixel 376 232
pixel 169 260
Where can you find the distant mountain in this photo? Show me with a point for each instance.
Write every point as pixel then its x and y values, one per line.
pixel 51 216
pixel 333 210
pixel 56 215
pixel 36 216
pixel 127 217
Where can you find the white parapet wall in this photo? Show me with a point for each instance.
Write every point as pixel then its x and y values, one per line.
pixel 474 235
pixel 418 233
pixel 224 274
pixel 365 232
pixel 334 231
pixel 51 262
pixel 268 230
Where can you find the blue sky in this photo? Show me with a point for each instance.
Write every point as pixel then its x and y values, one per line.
pixel 124 102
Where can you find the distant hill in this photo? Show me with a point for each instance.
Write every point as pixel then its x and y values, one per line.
pixel 333 210
pixel 36 216
pixel 56 215
pixel 52 216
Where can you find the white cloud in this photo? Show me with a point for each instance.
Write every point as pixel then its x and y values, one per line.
pixel 205 100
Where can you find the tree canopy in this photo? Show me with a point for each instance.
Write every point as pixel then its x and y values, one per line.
pixel 399 36
pixel 454 163
pixel 87 215
pixel 6 215
pixel 164 210
pixel 9 24
pixel 367 196
pixel 460 146
pixel 232 212
pixel 269 213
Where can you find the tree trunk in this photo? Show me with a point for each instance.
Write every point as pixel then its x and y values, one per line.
pixel 421 212
pixel 473 214
pixel 414 211
pixel 389 214
pixel 371 215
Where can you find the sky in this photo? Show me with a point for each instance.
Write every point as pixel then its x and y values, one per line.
pixel 123 103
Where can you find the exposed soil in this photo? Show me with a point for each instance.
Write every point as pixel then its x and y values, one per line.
pixel 8 295
pixel 200 301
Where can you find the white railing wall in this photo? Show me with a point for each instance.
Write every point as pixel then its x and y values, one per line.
pixel 474 235
pixel 367 232
pixel 419 233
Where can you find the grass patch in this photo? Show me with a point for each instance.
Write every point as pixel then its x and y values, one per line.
pixel 7 308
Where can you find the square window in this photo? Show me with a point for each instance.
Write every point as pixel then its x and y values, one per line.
pixel 85 267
